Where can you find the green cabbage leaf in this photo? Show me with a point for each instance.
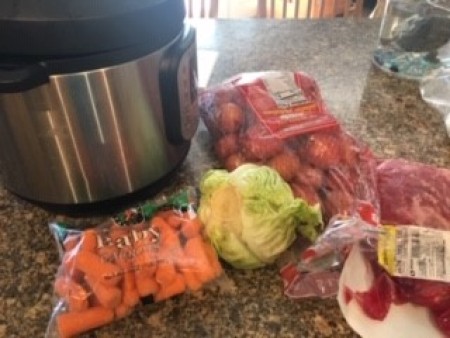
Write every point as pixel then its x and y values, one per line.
pixel 251 215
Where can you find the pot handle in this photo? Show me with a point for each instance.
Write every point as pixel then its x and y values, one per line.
pixel 178 87
pixel 15 78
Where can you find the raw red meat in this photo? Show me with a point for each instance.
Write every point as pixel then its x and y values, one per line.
pixel 376 302
pixel 414 193
pixel 443 322
pixel 410 194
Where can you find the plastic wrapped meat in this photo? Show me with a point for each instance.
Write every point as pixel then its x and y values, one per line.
pixel 415 199
pixel 413 193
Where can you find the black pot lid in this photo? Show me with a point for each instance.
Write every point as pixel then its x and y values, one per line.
pixel 61 28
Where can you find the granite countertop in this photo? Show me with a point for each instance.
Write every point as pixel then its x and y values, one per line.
pixel 383 111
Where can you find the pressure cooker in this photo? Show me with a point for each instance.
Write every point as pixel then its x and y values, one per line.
pixel 97 98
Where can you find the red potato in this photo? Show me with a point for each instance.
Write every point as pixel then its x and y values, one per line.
pixel 337 202
pixel 258 145
pixel 322 150
pixel 341 178
pixel 226 146
pixel 309 176
pixel 286 164
pixel 305 192
pixel 301 148
pixel 227 95
pixel 230 118
pixel 234 160
pixel 222 96
pixel 350 151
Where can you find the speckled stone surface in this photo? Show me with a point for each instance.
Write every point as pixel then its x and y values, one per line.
pixel 383 111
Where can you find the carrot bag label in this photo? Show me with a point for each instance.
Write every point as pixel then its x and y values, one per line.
pixel 156 251
pixel 280 119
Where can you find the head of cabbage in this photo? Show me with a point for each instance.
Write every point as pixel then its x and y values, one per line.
pixel 251 215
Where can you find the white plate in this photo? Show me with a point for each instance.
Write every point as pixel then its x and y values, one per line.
pixel 402 321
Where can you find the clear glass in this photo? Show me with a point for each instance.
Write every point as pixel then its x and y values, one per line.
pixel 414 37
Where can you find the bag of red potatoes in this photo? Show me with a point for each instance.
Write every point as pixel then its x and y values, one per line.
pixel 279 119
pixel 153 252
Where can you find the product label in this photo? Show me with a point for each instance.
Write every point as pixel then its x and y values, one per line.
pixel 284 107
pixel 284 90
pixel 415 252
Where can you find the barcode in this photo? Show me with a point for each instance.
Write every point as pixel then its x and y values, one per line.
pixel 401 252
pixel 422 267
pixel 401 247
pixel 422 253
pixel 415 244
pixel 440 259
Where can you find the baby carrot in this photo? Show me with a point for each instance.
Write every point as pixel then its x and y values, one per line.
pixel 174 220
pixel 191 228
pixel 145 284
pixel 68 262
pixel 108 296
pixel 213 259
pixel 89 240
pixel 176 287
pixel 169 241
pixel 117 232
pixel 64 286
pixel 145 259
pixel 159 224
pixel 73 293
pixel 165 273
pixel 73 323
pixel 77 305
pixel 97 268
pixel 122 311
pixel 108 253
pixel 195 250
pixel 170 249
pixel 191 280
pixel 93 300
pixel 130 295
pixel 67 267
pixel 71 242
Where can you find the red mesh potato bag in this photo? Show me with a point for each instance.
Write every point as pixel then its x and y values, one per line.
pixel 279 119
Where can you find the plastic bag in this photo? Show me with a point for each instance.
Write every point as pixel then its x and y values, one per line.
pixel 403 268
pixel 408 267
pixel 280 119
pixel 156 250
pixel 435 90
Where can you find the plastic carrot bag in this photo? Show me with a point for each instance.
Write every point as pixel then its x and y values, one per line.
pixel 279 119
pixel 156 251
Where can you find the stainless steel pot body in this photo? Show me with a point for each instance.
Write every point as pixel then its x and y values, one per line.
pixel 96 135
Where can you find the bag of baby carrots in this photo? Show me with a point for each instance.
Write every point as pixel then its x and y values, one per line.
pixel 156 251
